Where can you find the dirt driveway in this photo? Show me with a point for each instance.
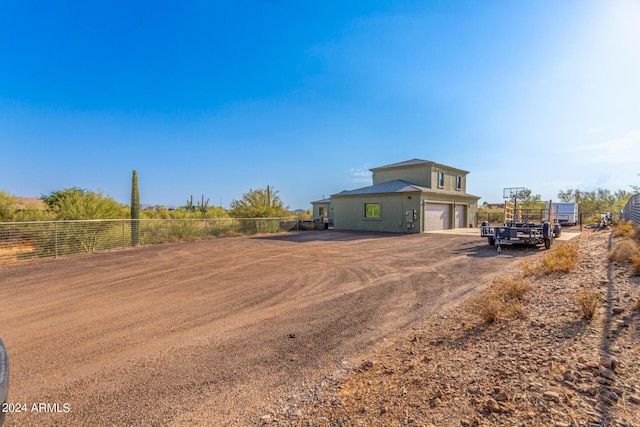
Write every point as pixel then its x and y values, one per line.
pixel 215 332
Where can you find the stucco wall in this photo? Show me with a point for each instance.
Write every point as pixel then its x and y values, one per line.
pixel 349 213
pixel 449 180
pixel 418 175
pixel 316 208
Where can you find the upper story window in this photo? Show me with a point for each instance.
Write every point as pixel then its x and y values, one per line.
pixel 458 182
pixel 440 179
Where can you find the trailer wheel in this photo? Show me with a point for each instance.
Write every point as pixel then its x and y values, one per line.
pixel 492 241
pixel 557 230
pixel 547 243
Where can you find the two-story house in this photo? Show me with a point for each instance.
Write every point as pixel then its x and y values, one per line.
pixel 413 196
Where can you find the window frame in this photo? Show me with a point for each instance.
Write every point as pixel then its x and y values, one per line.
pixel 440 179
pixel 379 209
pixel 459 182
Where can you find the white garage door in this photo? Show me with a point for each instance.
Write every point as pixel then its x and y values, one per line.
pixel 460 217
pixel 437 216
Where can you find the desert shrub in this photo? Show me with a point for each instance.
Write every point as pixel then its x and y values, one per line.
pixel 504 299
pixel 588 302
pixel 635 235
pixel 635 265
pixel 509 288
pixel 528 270
pixel 624 229
pixel 624 251
pixel 487 307
pixel 562 258
pixel 185 229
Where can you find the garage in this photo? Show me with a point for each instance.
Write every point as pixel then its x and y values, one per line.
pixel 413 196
pixel 460 216
pixel 437 216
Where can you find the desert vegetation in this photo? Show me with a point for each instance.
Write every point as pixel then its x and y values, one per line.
pixel 591 203
pixel 81 204
pixel 506 296
pixel 53 228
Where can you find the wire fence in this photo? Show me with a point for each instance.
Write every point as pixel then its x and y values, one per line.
pixel 632 210
pixel 540 215
pixel 53 239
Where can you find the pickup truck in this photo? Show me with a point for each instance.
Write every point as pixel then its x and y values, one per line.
pixel 4 380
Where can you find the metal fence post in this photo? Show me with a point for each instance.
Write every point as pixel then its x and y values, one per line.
pixel 56 239
pixel 166 229
pixel 123 241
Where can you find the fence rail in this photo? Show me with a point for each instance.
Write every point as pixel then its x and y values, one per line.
pixel 42 239
pixel 539 215
pixel 632 210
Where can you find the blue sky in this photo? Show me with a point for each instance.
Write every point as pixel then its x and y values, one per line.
pixel 216 98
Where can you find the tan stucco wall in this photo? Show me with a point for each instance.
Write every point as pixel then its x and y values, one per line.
pixel 349 213
pixel 424 176
pixel 449 179
pixel 418 175
pixel 316 208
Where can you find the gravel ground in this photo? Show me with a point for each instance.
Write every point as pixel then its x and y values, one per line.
pixel 550 367
pixel 230 332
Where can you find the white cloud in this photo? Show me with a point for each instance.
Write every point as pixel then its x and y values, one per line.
pixel 617 151
pixel 361 174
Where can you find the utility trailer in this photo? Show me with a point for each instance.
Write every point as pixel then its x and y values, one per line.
pixel 516 231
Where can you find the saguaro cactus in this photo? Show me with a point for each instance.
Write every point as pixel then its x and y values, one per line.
pixel 203 206
pixel 135 210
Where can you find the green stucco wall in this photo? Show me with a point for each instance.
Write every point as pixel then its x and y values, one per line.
pixel 349 213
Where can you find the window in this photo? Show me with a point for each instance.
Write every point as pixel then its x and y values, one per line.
pixel 440 179
pixel 458 182
pixel 322 210
pixel 372 210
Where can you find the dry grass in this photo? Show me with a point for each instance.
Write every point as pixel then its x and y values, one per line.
pixel 624 251
pixel 528 270
pixel 561 258
pixel 588 302
pixel 10 253
pixel 504 299
pixel 624 229
pixel 510 288
pixel 627 229
pixel 635 265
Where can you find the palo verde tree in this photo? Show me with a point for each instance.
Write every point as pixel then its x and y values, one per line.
pixel 135 210
pixel 596 201
pixel 77 204
pixel 7 202
pixel 261 203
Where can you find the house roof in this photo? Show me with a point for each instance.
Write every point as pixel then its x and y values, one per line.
pixel 397 186
pixel 400 186
pixel 322 201
pixel 414 162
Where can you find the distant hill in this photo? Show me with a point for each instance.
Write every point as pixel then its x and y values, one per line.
pixel 34 202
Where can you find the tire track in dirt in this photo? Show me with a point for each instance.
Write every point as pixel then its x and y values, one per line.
pixel 199 332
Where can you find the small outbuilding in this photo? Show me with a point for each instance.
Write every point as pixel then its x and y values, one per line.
pixel 413 196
